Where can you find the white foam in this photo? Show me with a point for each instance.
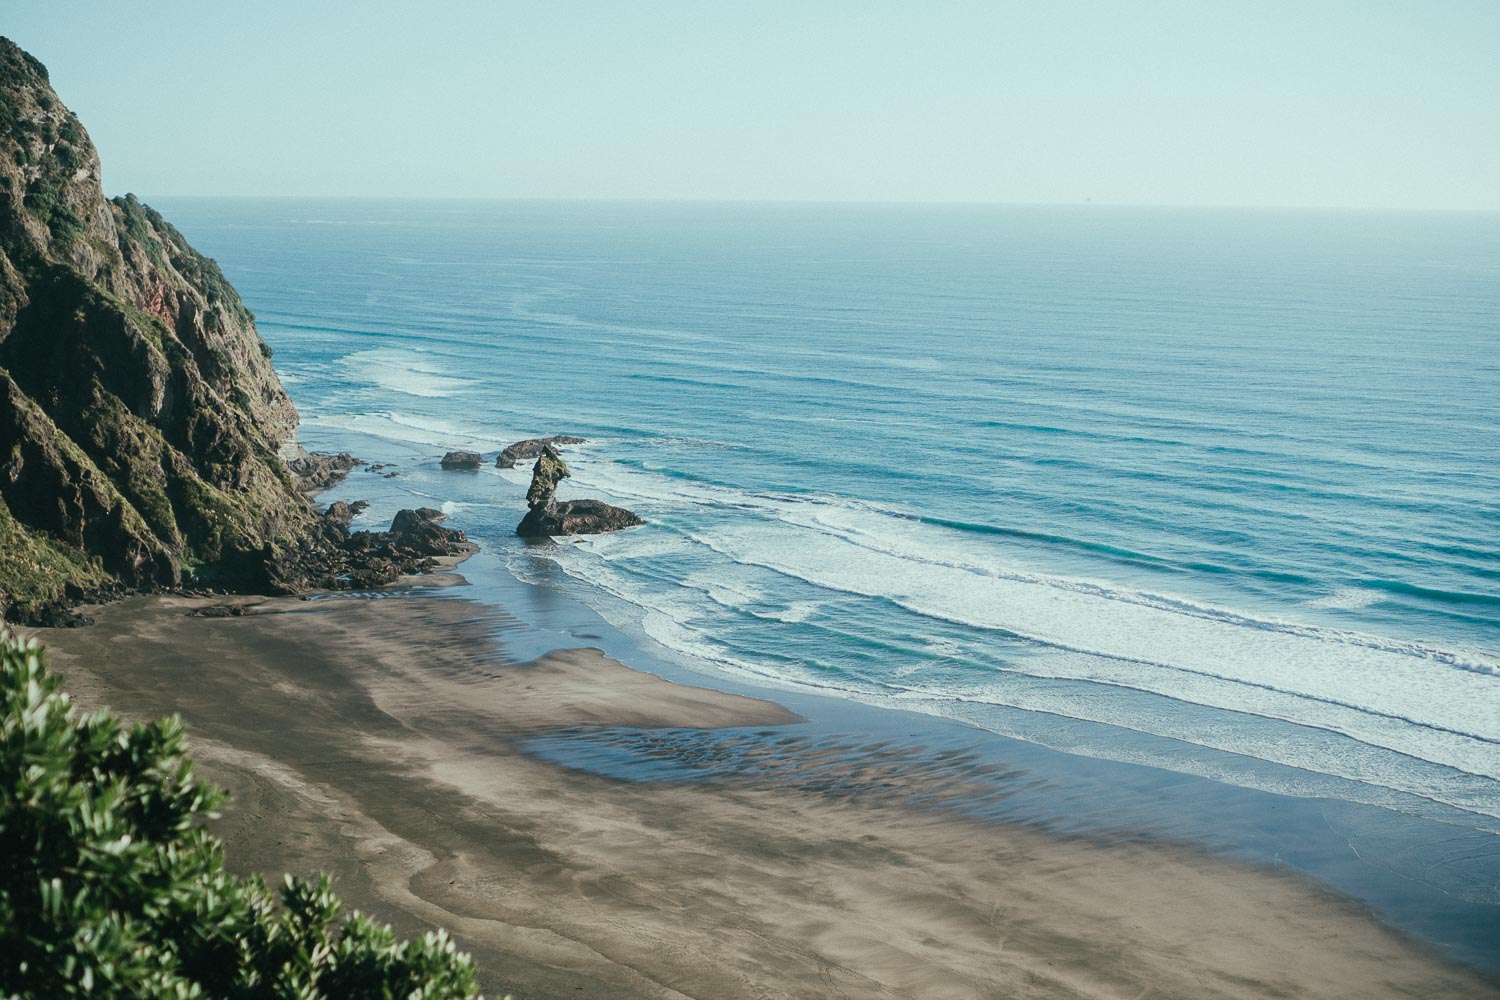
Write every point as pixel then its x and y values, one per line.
pixel 409 372
pixel 1160 642
pixel 1324 760
pixel 1347 598
pixel 736 592
pixel 917 544
pixel 1391 696
pixel 408 429
pixel 521 476
pixel 799 611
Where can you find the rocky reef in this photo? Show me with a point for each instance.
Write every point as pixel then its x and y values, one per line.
pixel 316 472
pixel 531 448
pixel 145 441
pixel 549 516
pixel 340 559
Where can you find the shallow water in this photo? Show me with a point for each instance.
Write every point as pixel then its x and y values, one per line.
pixel 1213 492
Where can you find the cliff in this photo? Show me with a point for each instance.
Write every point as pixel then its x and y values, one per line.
pixel 143 432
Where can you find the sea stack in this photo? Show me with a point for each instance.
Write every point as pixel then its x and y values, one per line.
pixel 550 516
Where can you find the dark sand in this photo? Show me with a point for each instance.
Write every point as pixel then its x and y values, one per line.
pixel 375 740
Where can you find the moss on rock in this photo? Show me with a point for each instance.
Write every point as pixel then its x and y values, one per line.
pixel 141 423
pixel 37 571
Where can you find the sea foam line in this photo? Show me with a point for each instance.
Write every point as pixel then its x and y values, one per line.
pixel 1459 790
pixel 1439 744
pixel 906 537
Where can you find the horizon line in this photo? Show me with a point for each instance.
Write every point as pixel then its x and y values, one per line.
pixel 830 202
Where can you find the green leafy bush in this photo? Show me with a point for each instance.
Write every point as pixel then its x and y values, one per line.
pixel 111 886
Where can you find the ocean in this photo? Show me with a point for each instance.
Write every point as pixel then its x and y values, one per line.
pixel 1210 492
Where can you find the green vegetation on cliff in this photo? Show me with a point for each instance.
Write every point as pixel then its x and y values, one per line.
pixel 141 423
pixel 41 570
pixel 113 887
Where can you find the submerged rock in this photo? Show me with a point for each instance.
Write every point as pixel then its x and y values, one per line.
pixel 550 516
pixel 220 611
pixel 463 460
pixel 531 448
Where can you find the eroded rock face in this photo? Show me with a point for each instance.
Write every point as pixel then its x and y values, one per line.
pixel 316 471
pixel 550 516
pixel 531 448
pixel 549 470
pixel 340 559
pixel 340 515
pixel 142 428
pixel 145 441
pixel 576 517
pixel 462 460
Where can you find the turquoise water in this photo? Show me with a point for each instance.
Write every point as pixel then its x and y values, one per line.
pixel 1212 491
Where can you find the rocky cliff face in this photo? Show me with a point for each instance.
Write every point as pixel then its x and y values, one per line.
pixel 142 430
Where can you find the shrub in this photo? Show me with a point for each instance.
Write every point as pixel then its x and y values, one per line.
pixel 112 886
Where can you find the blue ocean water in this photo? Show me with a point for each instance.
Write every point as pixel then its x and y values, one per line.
pixel 1213 491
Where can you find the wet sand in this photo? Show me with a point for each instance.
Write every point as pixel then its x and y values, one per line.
pixel 377 739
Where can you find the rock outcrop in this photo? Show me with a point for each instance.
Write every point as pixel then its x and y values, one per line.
pixel 550 516
pixel 462 460
pixel 316 472
pixel 145 440
pixel 531 448
pixel 341 559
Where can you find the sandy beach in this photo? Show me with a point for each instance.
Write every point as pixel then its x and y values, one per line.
pixel 377 739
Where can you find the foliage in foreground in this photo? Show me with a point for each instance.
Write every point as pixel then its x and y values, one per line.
pixel 111 886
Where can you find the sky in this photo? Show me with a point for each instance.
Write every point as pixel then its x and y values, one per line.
pixel 1367 104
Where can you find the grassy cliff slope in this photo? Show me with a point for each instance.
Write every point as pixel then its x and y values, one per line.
pixel 142 428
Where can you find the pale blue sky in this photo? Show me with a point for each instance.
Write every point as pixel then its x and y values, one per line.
pixel 1358 104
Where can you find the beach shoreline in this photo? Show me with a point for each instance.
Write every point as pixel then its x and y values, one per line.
pixel 380 739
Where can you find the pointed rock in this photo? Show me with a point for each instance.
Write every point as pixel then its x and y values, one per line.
pixel 550 516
